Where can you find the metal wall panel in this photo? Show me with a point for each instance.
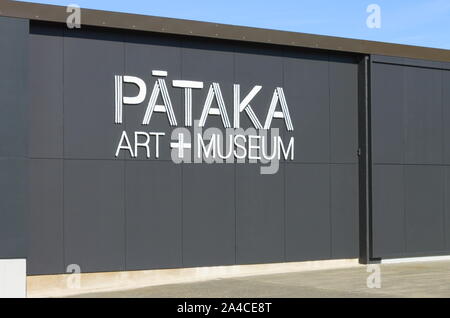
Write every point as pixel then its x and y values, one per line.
pixel 343 106
pixel 447 207
pixel 208 215
pixel 446 119
pixel 13 208
pixel 409 112
pixel 424 199
pixel 259 66
pixel 153 215
pixel 446 115
pixel 388 113
pixel 13 137
pixel 94 227
pixel 423 116
pixel 89 130
pixel 389 232
pixel 46 218
pixel 143 54
pixel 13 87
pixel 260 216
pixel 46 113
pixel 344 211
pixel 306 83
pixel 208 62
pixel 308 215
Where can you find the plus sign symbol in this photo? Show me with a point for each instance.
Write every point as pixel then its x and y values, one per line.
pixel 181 146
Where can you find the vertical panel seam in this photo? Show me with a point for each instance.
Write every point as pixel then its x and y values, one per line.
pixel 368 184
pixel 330 219
pixel 404 142
pixel 125 231
pixel 63 39
pixel 182 172
pixel 285 211
pixel 283 65
pixel 442 118
pixel 443 175
pixel 444 207
pixel 235 175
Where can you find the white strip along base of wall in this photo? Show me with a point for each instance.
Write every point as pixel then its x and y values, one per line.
pixel 13 278
pixel 416 259
pixel 63 285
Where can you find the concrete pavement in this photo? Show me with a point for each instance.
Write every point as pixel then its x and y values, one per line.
pixel 420 279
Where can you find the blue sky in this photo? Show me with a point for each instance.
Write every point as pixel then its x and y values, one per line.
pixel 415 22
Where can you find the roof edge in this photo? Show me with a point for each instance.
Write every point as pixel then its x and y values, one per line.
pixel 126 21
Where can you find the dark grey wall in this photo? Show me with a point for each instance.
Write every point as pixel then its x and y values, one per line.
pixel 411 147
pixel 13 137
pixel 108 214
